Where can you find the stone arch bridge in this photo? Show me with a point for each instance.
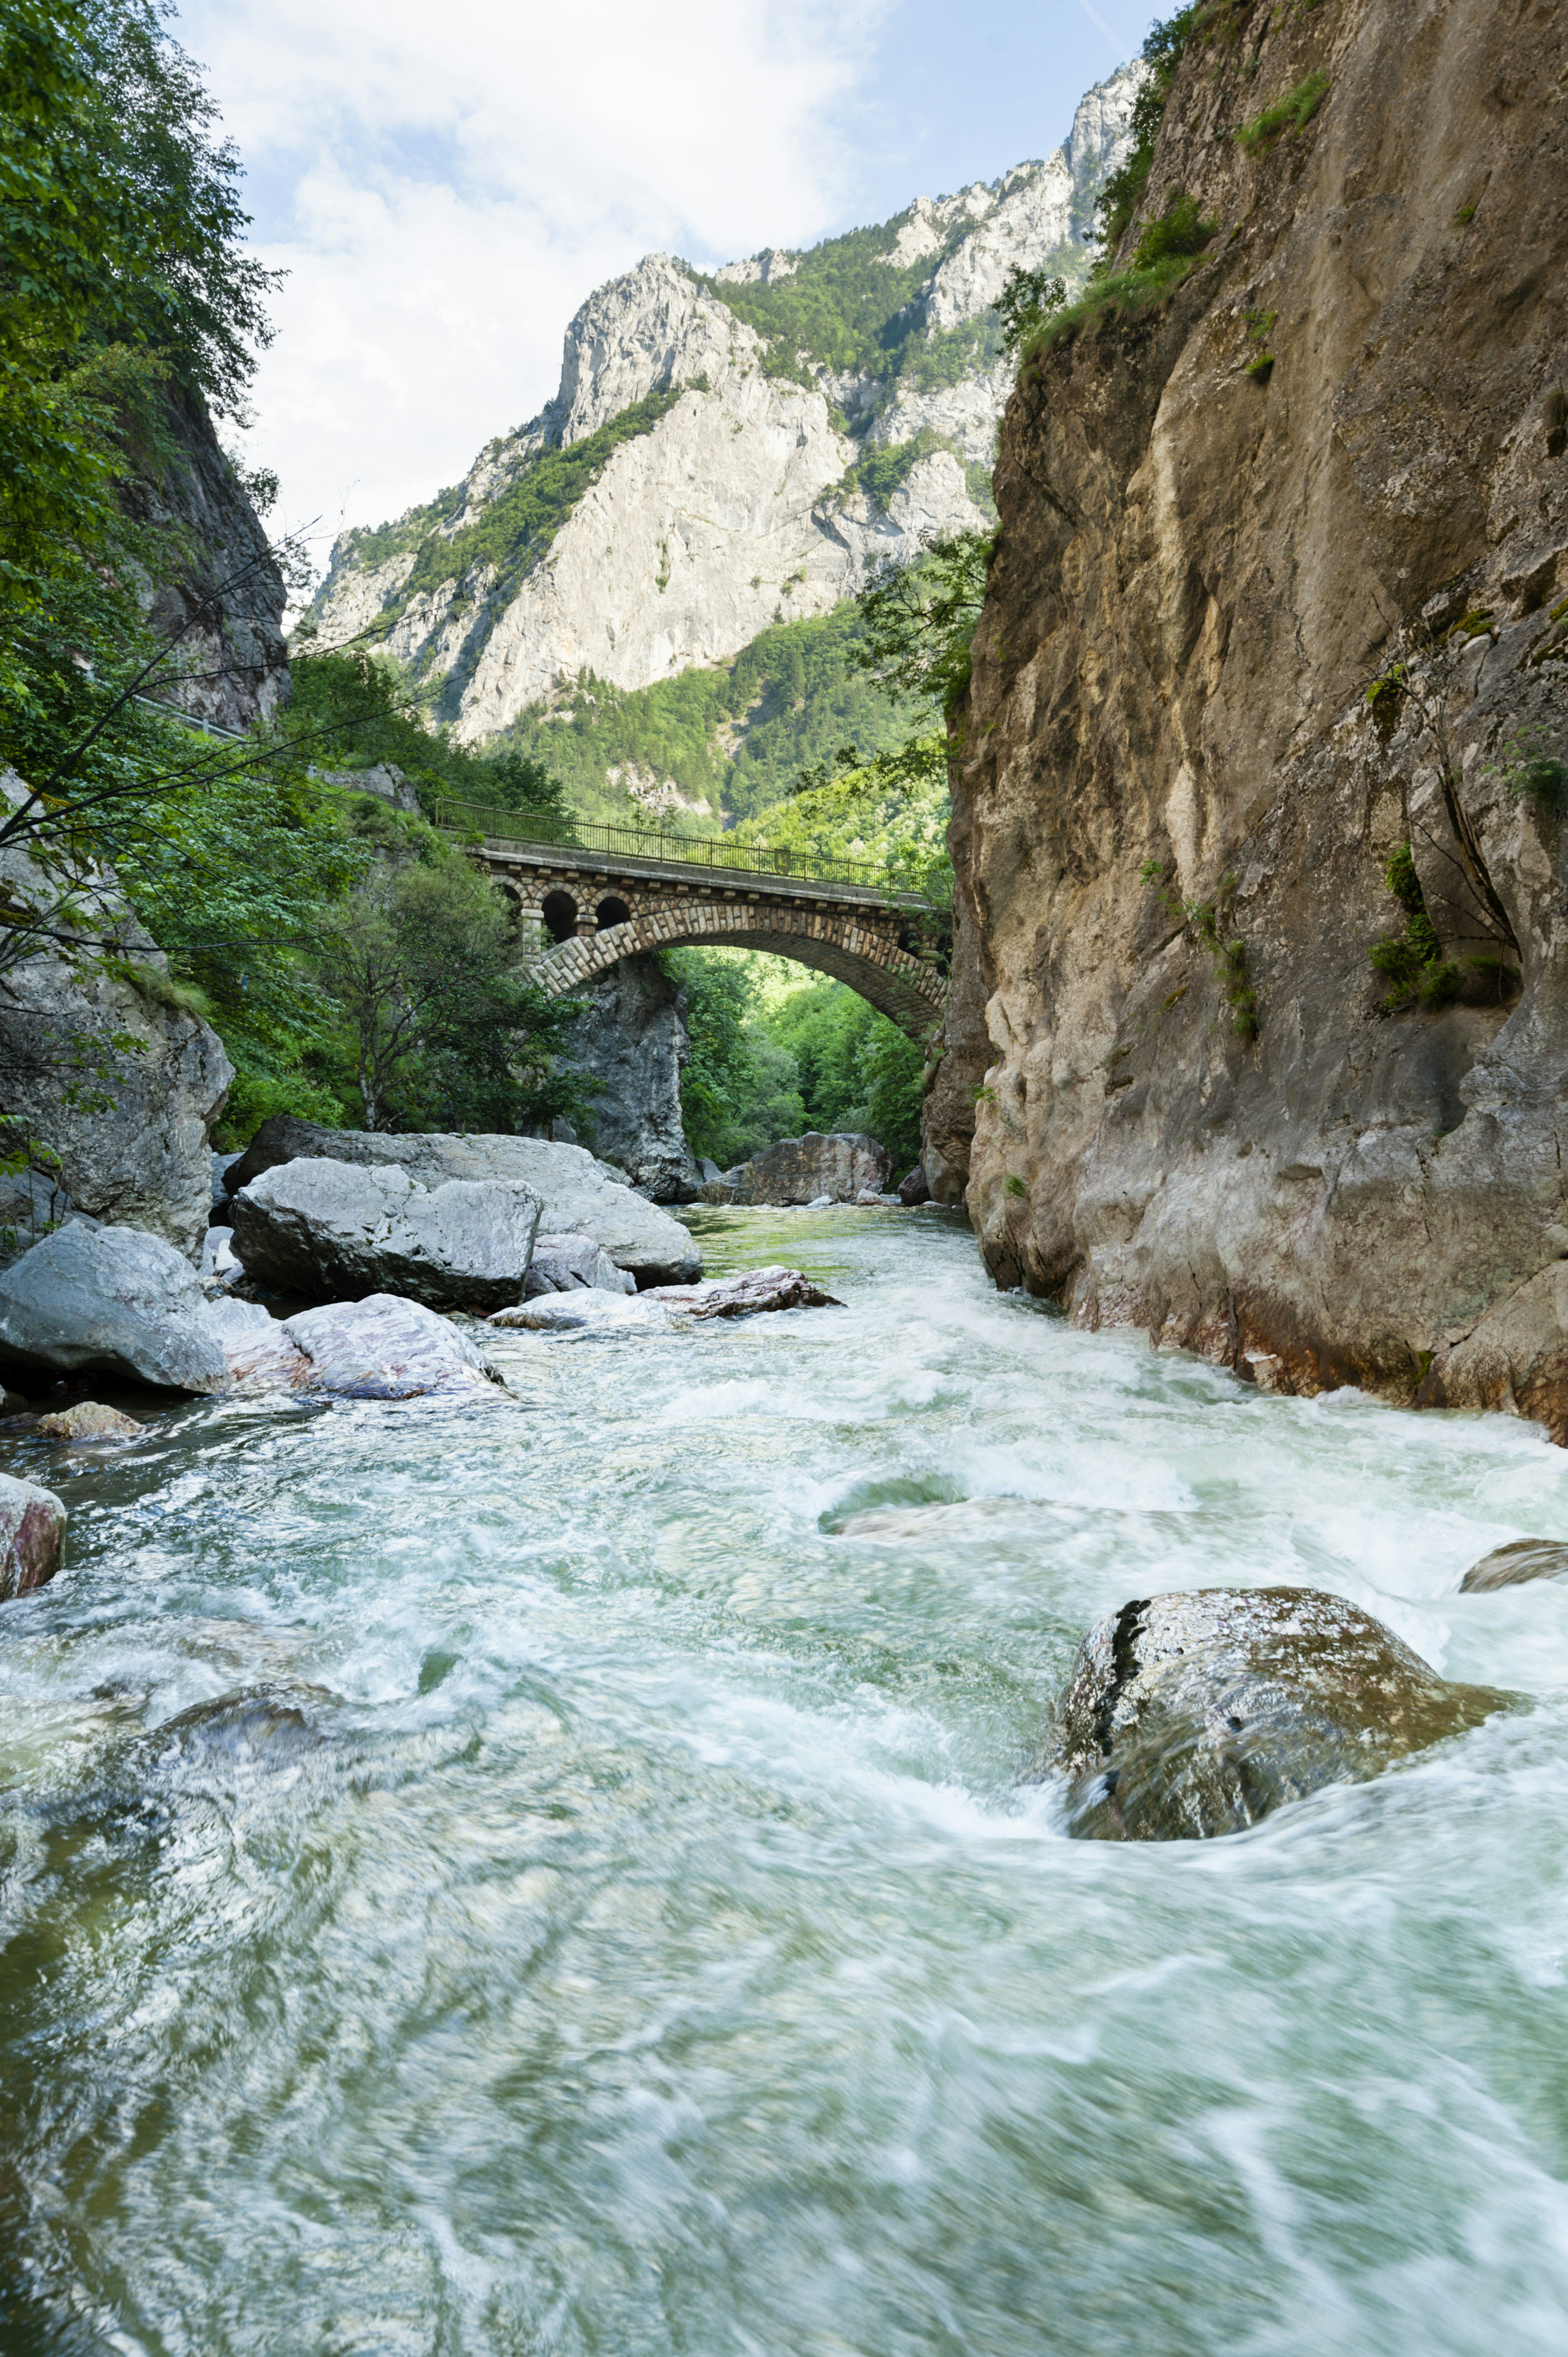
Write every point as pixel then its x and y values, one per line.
pixel 613 891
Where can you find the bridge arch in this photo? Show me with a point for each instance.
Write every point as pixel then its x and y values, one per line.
pixel 856 946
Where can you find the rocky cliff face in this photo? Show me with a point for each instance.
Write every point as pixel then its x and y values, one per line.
pixel 740 504
pixel 631 1038
pixel 220 605
pixel 1177 797
pixel 101 1065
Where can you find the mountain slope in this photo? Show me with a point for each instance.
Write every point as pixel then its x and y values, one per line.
pixel 725 454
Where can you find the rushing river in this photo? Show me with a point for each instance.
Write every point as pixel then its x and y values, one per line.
pixel 625 1924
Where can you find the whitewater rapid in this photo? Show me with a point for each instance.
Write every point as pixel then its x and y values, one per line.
pixel 622 1918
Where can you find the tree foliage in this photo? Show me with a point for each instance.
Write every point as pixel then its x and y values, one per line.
pixel 446 1029
pixel 122 262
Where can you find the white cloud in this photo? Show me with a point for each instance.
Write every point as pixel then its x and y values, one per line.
pixel 445 185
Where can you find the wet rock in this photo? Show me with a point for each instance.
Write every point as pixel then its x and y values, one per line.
pixel 754 1290
pixel 333 1230
pixel 385 1346
pixel 838 1165
pixel 32 1534
pixel 1196 1714
pixel 565 1264
pixel 260 1354
pixel 221 1164
pixel 271 1723
pixel 585 1310
pixel 577 1193
pixel 1521 1559
pixel 89 1420
pixel 113 1300
pixel 914 1190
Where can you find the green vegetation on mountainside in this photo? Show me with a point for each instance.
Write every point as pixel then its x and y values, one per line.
pixel 736 738
pixel 515 529
pixel 849 306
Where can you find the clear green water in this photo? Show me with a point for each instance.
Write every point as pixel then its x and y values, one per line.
pixel 630 1929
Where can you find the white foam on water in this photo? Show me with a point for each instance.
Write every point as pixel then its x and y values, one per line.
pixel 645 1934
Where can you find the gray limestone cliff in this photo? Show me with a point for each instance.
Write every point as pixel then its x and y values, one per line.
pixel 1282 582
pixel 219 602
pixel 740 504
pixel 106 1076
pixel 630 1037
pixel 103 1070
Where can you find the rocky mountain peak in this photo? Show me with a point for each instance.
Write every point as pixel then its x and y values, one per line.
pixel 717 463
pixel 653 328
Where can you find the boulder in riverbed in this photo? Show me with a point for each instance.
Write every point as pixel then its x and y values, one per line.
pixel 1197 1713
pixel 1521 1559
pixel 32 1534
pixel 113 1300
pixel 261 1356
pixel 332 1230
pixel 753 1289
pixel 88 1420
pixel 839 1165
pixel 756 1289
pixel 384 1347
pixel 569 1263
pixel 914 1190
pixel 578 1194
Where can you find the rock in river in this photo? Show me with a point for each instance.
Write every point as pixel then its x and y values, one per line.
pixel 88 1420
pixel 1196 1714
pixel 743 1295
pixel 333 1230
pixel 381 1348
pixel 571 1264
pixel 669 1305
pixel 838 1165
pixel 32 1532
pixel 1521 1559
pixel 114 1300
pixel 384 1347
pixel 579 1195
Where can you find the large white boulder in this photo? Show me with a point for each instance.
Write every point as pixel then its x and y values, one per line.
pixel 114 1300
pixel 576 1194
pixel 384 1347
pixel 333 1230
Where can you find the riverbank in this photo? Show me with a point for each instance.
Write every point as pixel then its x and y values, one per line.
pixel 561 1872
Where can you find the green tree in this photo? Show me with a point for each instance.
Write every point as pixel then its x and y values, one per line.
pixel 352 710
pixel 445 1028
pixel 121 264
pixel 738 1092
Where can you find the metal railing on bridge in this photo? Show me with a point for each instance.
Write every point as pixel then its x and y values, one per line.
pixel 540 831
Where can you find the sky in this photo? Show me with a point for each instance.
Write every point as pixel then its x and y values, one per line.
pixel 445 186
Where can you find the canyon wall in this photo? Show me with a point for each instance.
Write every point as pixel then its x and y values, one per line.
pixel 1281 576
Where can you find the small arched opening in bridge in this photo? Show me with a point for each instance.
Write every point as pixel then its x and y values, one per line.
pixel 560 914
pixel 612 911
